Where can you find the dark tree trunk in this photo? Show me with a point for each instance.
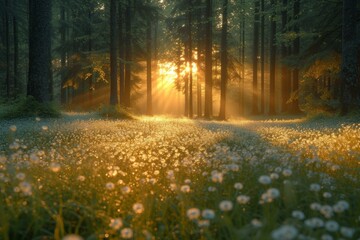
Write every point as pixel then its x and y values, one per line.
pixel 285 83
pixel 63 53
pixel 186 84
pixel 113 54
pixel 208 60
pixel 242 93
pixel 296 51
pixel 224 61
pixel 39 81
pixel 272 110
pixel 190 60
pixel 16 56
pixel 7 47
pixel 148 67
pixel 128 54
pixel 121 54
pixel 262 56
pixel 199 52
pixel 349 65
pixel 255 109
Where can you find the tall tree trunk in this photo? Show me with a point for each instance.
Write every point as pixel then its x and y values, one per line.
pixel 199 52
pixel 349 65
pixel 121 54
pixel 113 54
pixel 224 61
pixel 285 83
pixel 242 92
pixel 296 51
pixel 16 56
pixel 190 60
pixel 62 54
pixel 255 109
pixel 148 67
pixel 208 60
pixel 39 50
pixel 272 110
pixel 186 84
pixel 262 56
pixel 128 54
pixel 7 47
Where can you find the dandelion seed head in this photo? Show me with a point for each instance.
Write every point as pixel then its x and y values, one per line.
pixel 226 205
pixel 116 223
pixel 265 180
pixel 138 208
pixel 243 199
pixel 332 226
pixel 298 215
pixel 286 232
pixel 208 214
pixel 127 233
pixel 238 186
pixel 185 188
pixel 193 213
pixel 110 186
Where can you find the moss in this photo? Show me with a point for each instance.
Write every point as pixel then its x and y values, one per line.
pixel 115 112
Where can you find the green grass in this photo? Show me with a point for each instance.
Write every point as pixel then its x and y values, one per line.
pixel 82 177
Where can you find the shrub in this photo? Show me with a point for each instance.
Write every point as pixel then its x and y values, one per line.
pixel 28 107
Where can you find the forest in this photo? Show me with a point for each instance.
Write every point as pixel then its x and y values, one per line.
pixel 203 58
pixel 187 119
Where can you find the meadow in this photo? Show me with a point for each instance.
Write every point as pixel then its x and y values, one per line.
pixel 82 177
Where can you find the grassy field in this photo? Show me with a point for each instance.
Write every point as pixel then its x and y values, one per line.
pixel 80 177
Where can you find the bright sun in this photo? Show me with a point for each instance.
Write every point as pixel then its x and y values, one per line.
pixel 168 71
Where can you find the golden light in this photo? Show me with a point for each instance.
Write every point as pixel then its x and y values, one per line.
pixel 167 72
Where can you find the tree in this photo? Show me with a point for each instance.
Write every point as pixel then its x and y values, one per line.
pixel 113 54
pixel 190 8
pixel 224 61
pixel 285 84
pixel 296 51
pixel 272 110
pixel 262 56
pixel 208 60
pixel 128 54
pixel 349 64
pixel 121 53
pixel 148 66
pixel 39 50
pixel 255 109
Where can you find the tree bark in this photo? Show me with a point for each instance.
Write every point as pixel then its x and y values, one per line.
pixel 121 54
pixel 224 61
pixel 285 84
pixel 148 66
pixel 296 51
pixel 208 60
pixel 255 109
pixel 349 65
pixel 272 110
pixel 113 54
pixel 39 81
pixel 262 56
pixel 128 54
pixel 190 60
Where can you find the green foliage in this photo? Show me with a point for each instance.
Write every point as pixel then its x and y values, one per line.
pixel 29 107
pixel 115 112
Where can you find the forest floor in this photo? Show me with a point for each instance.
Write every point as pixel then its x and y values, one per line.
pixel 164 178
